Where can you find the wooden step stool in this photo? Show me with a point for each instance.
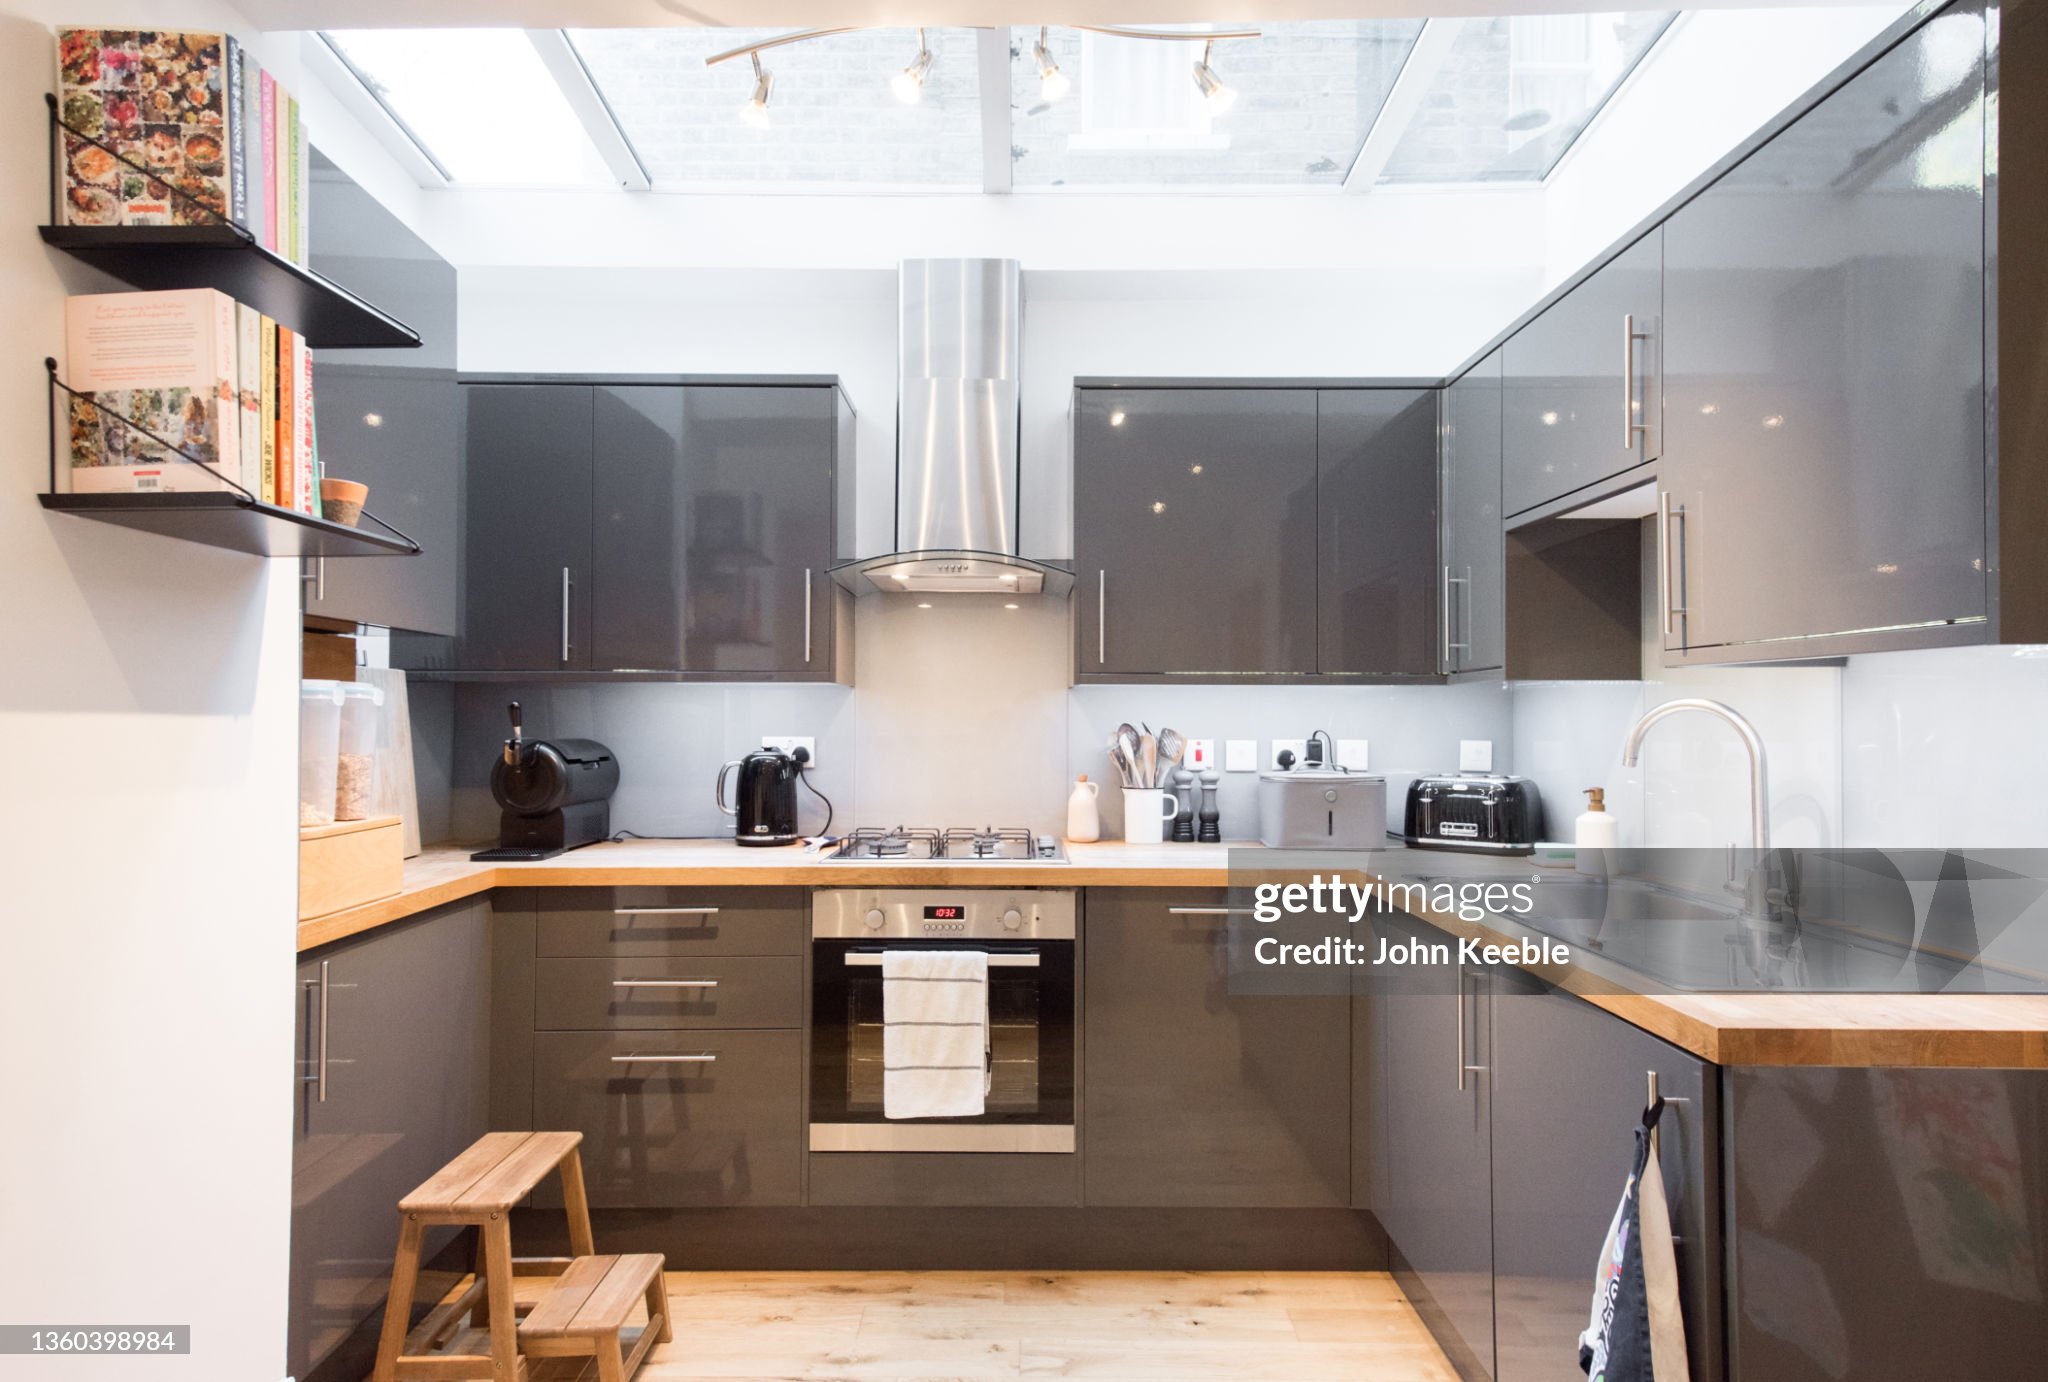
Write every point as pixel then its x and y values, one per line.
pixel 478 1190
pixel 586 1312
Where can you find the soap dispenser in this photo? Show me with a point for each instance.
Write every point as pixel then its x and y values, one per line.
pixel 1084 820
pixel 1596 828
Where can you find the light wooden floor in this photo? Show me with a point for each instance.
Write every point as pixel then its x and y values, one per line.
pixel 1139 1326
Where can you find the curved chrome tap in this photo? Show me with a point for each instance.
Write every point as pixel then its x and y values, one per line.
pixel 1759 772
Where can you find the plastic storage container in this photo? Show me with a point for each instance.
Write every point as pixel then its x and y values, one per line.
pixel 355 774
pixel 319 750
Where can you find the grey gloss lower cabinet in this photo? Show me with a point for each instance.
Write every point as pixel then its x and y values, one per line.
pixel 407 1016
pixel 1580 384
pixel 678 1118
pixel 1825 345
pixel 1376 578
pixel 1568 1084
pixel 1194 1097
pixel 1430 1167
pixel 1473 580
pixel 1195 530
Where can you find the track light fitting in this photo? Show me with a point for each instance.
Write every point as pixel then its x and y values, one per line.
pixel 1216 94
pixel 755 111
pixel 908 85
pixel 1052 83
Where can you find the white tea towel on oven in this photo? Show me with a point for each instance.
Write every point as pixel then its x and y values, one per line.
pixel 934 1034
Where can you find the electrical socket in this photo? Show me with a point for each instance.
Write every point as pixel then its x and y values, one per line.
pixel 1298 747
pixel 1240 755
pixel 1475 755
pixel 790 743
pixel 1354 754
pixel 1200 755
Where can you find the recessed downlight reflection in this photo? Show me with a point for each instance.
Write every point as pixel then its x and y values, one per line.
pixel 1550 419
pixel 373 419
pixel 1116 419
pixel 1775 421
pixel 1159 506
pixel 1195 469
pixel 1709 409
pixel 924 604
pixel 1010 606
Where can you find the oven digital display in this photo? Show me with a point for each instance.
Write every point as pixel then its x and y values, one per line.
pixel 948 912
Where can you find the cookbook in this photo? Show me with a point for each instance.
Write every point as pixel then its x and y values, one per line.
pixel 158 98
pixel 166 361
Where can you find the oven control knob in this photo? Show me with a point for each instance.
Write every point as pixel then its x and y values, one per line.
pixel 1012 919
pixel 875 918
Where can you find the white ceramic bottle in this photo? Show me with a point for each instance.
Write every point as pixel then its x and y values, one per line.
pixel 1596 828
pixel 1084 819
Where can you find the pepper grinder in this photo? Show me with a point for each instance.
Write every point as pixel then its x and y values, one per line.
pixel 1212 832
pixel 1184 795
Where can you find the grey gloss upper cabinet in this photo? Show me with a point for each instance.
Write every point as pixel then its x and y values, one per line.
pixel 1824 454
pixel 1472 593
pixel 406 1058
pixel 1195 530
pixel 1569 1083
pixel 1376 586
pixel 714 512
pixel 526 571
pixel 1192 1095
pixel 390 418
pixel 1580 386
pixel 1429 1171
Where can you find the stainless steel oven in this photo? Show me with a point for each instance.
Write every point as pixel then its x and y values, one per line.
pixel 1028 934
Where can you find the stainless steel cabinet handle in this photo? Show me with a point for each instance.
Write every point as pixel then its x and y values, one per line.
pixel 315 575
pixel 690 1058
pixel 320 1073
pixel 1464 1068
pixel 664 983
pixel 1630 428
pixel 861 959
pixel 664 911
pixel 807 614
pixel 1451 645
pixel 1211 911
pixel 1450 664
pixel 1102 618
pixel 1667 588
pixel 567 584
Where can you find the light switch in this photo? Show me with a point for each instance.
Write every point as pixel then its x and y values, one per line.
pixel 1241 755
pixel 1475 755
pixel 1297 747
pixel 1200 755
pixel 1351 753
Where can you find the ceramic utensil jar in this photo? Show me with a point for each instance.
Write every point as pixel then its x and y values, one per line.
pixel 1146 813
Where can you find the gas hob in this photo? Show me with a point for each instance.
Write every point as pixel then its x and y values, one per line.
pixel 957 845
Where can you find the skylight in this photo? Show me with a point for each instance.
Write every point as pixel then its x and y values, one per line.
pixel 1514 93
pixel 831 120
pixel 479 103
pixel 1299 107
pixel 1307 94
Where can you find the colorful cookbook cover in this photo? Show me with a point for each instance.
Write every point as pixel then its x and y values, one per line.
pixel 238 135
pixel 268 369
pixel 249 394
pixel 166 361
pixel 307 488
pixel 287 419
pixel 159 99
pixel 302 186
pixel 281 163
pixel 251 143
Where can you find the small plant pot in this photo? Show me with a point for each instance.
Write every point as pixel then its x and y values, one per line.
pixel 341 501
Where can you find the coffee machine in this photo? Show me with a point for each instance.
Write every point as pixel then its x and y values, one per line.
pixel 552 795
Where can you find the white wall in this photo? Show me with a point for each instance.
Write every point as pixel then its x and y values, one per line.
pixel 148 698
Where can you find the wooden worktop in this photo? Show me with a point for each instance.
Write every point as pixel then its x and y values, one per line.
pixel 1824 1029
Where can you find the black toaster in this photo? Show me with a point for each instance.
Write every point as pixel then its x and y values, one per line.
pixel 1490 813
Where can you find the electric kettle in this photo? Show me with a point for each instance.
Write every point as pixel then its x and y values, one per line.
pixel 764 804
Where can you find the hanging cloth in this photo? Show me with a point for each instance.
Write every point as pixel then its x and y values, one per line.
pixel 1636 1333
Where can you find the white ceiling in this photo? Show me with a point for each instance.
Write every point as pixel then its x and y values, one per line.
pixel 592 14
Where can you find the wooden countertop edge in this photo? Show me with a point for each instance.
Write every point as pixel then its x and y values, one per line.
pixel 1974 1031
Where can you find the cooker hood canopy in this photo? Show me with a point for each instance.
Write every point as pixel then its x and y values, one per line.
pixel 959 332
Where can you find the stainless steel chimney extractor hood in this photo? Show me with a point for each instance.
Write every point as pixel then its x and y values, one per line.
pixel 959 331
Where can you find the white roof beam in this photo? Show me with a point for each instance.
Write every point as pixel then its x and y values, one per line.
pixel 993 47
pixel 580 90
pixel 1418 74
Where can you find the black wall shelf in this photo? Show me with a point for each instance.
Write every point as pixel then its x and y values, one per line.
pixel 225 257
pixel 231 521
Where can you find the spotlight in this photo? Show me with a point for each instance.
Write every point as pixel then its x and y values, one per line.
pixel 755 111
pixel 908 85
pixel 1052 83
pixel 1218 96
